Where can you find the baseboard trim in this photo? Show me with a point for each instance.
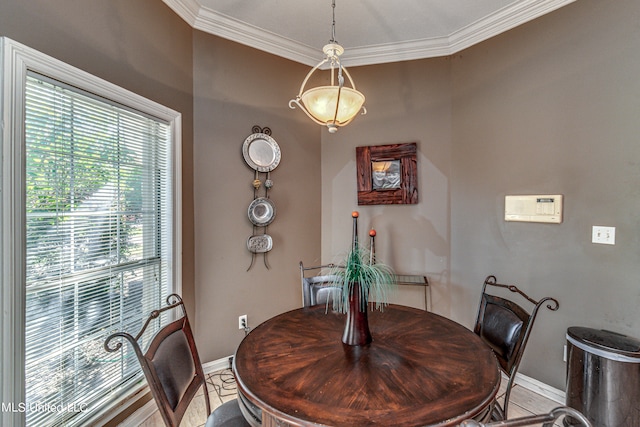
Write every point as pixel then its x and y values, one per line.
pixel 139 416
pixel 541 388
pixel 217 365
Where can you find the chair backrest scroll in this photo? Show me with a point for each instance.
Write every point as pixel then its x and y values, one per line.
pixel 171 363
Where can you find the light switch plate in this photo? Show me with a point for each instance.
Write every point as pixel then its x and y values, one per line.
pixel 603 235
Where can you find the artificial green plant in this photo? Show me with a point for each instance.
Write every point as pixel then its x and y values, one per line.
pixel 376 279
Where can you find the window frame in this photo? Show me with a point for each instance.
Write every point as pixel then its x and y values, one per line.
pixel 16 60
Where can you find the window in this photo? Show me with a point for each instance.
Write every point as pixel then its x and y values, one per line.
pixel 96 231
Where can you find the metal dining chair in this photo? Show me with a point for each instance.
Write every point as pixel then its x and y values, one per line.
pixel 318 289
pixel 572 417
pixel 505 327
pixel 173 370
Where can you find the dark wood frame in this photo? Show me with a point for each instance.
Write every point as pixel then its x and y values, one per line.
pixel 155 361
pixel 407 194
pixel 172 368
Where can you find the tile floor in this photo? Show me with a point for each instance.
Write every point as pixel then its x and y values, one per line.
pixel 222 388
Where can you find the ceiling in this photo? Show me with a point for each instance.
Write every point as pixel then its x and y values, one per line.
pixel 371 31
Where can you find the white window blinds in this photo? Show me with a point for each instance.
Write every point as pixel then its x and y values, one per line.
pixel 98 245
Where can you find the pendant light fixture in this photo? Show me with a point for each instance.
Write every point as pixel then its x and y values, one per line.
pixel 336 105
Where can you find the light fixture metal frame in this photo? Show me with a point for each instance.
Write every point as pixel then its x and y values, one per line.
pixel 332 52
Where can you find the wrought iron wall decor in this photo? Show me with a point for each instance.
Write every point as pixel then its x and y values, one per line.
pixel 387 174
pixel 262 154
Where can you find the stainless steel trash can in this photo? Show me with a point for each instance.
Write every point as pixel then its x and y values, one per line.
pixel 603 377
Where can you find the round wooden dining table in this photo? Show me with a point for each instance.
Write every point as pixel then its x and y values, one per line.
pixel 420 370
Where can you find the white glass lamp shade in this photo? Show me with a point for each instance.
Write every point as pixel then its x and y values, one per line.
pixel 321 101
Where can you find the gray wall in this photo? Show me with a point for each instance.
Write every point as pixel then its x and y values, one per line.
pixel 125 43
pixel 406 102
pixel 237 87
pixel 140 45
pixel 551 107
pixel 144 47
pixel 547 107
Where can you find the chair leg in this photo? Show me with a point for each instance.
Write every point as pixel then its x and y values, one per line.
pixel 507 395
pixel 497 413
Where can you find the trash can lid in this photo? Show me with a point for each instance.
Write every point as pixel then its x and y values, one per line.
pixel 606 340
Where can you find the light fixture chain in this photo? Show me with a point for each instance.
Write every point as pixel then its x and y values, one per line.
pixel 333 23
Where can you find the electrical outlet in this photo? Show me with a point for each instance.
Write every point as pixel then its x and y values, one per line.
pixel 243 322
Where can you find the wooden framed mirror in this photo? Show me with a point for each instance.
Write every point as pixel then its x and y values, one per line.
pixel 387 174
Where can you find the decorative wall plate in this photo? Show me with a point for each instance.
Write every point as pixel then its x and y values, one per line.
pixel 261 152
pixel 260 243
pixel 262 212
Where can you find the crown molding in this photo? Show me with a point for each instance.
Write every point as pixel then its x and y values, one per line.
pixel 396 52
pixel 188 10
pixel 227 27
pixel 502 21
pixel 233 29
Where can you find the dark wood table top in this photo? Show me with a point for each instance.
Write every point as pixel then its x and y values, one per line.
pixel 420 370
